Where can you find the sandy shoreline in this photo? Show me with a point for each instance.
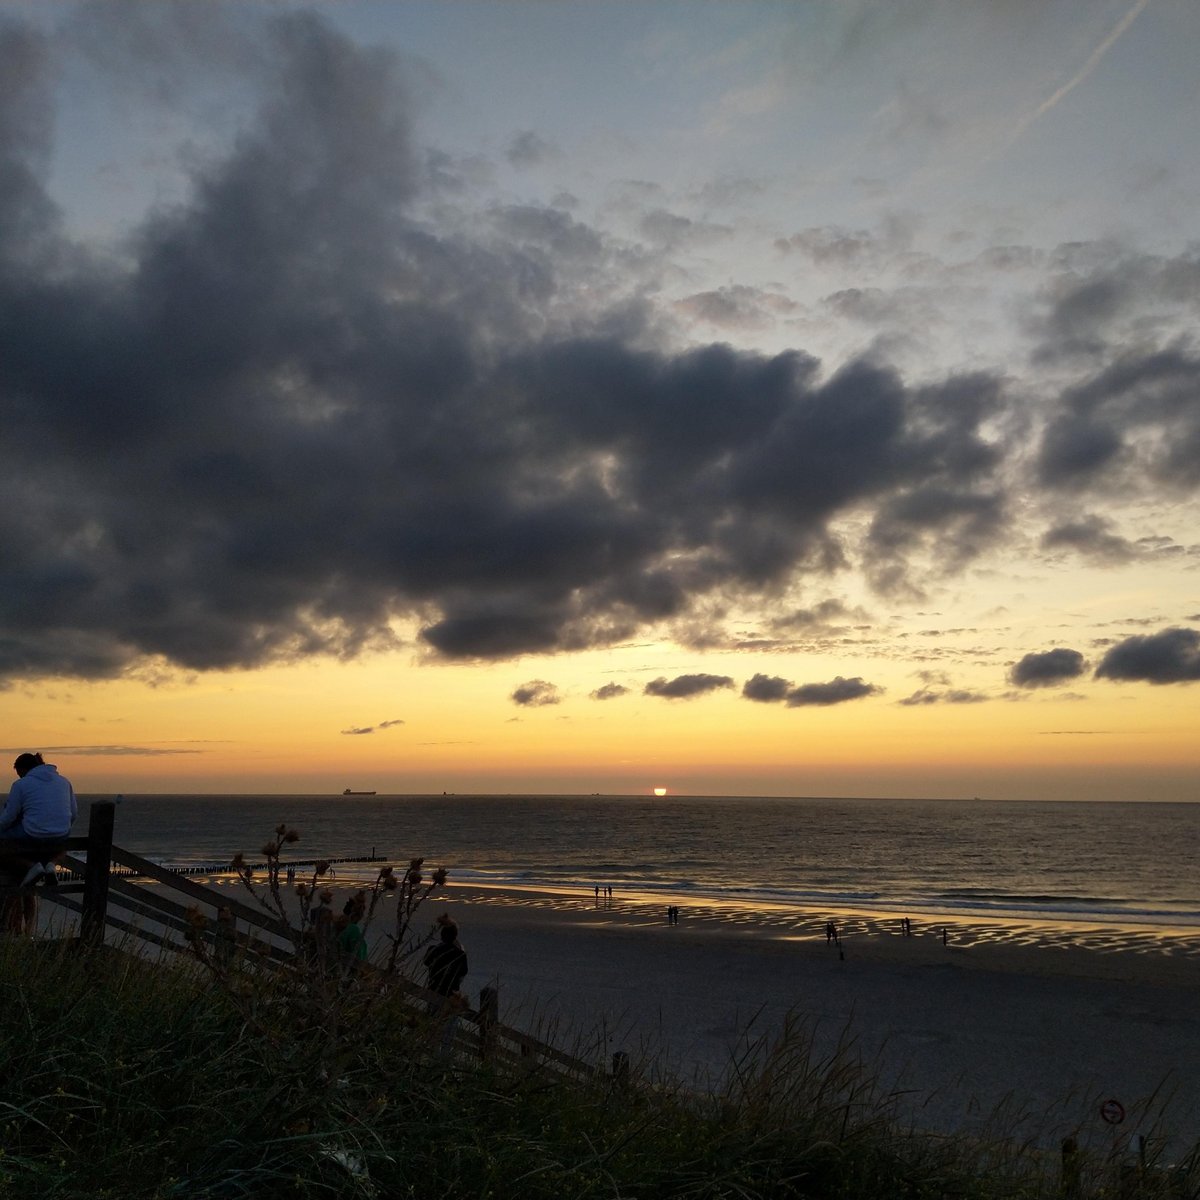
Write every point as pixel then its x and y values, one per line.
pixel 1049 1019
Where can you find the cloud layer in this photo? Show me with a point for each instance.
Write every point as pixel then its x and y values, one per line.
pixel 309 407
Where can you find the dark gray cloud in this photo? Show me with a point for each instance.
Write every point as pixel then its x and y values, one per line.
pixel 1092 537
pixel 825 616
pixel 736 307
pixel 1047 668
pixel 766 688
pixel 537 693
pixel 1105 298
pixel 672 230
pixel 683 687
pixel 1170 656
pixel 528 149
pixel 310 404
pixel 830 245
pixel 925 696
pixel 610 691
pixel 359 730
pixel 1132 423
pixel 871 306
pixel 836 691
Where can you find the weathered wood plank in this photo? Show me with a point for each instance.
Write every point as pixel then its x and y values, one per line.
pixel 159 908
pixel 200 893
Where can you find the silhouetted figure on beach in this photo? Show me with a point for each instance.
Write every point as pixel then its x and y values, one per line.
pixel 830 932
pixel 446 964
pixel 597 895
pixel 321 933
pixel 352 942
pixel 608 892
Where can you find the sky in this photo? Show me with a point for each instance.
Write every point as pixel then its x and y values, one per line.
pixel 738 398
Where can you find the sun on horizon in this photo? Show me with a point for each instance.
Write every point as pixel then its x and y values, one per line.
pixel 660 791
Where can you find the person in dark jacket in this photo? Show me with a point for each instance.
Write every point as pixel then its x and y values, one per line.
pixel 446 963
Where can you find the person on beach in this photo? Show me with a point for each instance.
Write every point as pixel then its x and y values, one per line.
pixel 446 963
pixel 352 942
pixel 321 934
pixel 37 818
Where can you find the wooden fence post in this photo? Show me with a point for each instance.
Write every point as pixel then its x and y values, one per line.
pixel 1070 1182
pixel 489 1017
pixel 95 879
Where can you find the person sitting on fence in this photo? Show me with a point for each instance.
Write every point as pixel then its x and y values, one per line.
pixel 37 818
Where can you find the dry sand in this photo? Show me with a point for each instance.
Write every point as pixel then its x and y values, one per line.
pixel 1048 1021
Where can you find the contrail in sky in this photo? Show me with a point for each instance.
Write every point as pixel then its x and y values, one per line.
pixel 1087 68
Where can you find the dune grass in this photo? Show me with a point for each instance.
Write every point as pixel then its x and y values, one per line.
pixel 133 1079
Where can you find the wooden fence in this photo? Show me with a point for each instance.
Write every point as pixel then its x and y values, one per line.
pixel 112 888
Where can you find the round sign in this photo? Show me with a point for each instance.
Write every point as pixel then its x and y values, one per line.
pixel 1113 1111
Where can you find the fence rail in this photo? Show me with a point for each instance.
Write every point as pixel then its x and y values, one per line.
pixel 108 877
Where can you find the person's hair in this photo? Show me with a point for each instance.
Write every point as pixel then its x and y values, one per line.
pixel 449 934
pixel 26 762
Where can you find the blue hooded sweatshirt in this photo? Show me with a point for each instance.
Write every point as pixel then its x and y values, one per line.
pixel 41 804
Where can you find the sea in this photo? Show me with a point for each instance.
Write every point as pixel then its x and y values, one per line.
pixel 1119 864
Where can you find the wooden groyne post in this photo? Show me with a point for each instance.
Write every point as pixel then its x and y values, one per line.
pixel 94 903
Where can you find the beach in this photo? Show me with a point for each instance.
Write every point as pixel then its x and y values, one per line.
pixel 1067 976
pixel 980 1024
pixel 1042 1022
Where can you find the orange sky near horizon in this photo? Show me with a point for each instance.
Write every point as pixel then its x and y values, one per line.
pixel 429 728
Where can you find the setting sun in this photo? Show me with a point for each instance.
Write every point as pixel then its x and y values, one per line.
pixel 660 791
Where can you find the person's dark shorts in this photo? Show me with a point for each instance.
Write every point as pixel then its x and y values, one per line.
pixel 21 845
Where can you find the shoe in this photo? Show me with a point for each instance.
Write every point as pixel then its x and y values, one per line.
pixel 33 875
pixel 49 875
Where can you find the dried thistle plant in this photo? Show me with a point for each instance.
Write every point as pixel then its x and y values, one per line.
pixel 319 987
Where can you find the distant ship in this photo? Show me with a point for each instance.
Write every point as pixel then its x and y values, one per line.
pixel 352 792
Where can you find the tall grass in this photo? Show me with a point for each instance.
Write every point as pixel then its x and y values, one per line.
pixel 132 1079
